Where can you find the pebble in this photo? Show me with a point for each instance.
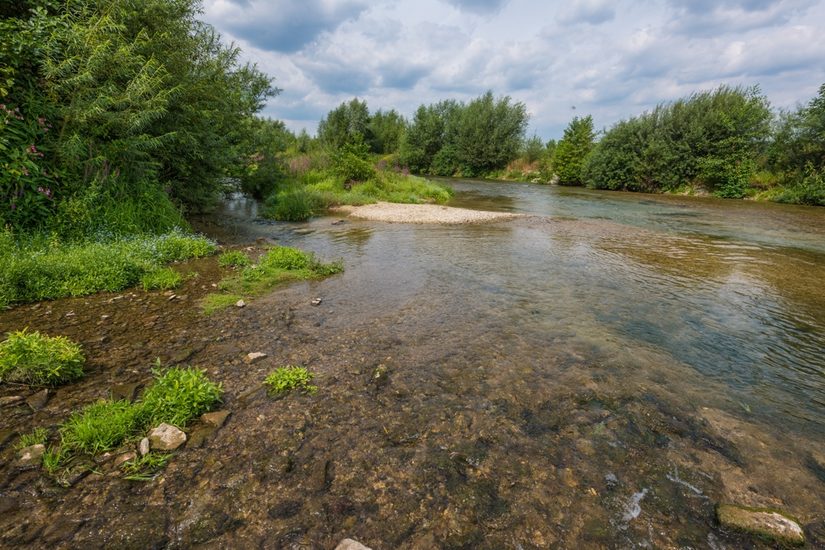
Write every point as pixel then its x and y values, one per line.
pixel 166 437
pixel 316 302
pixel 216 418
pixel 143 446
pixel 240 303
pixel 349 544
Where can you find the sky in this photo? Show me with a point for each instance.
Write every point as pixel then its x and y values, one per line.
pixel 611 59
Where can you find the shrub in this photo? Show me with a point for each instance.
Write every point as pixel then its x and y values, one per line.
pixel 38 360
pixel 161 279
pixel 233 258
pixel 286 379
pixel 178 395
pixel 99 427
pixel 296 204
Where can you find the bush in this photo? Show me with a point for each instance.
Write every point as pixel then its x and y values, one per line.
pixel 296 204
pixel 233 258
pixel 286 379
pixel 99 427
pixel 161 279
pixel 810 190
pixel 39 360
pixel 178 395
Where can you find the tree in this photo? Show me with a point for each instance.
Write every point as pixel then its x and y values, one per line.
pixel 386 131
pixel 572 151
pixel 346 124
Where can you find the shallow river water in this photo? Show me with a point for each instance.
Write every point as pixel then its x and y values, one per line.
pixel 600 373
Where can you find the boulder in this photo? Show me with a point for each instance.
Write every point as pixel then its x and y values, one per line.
pixel 166 438
pixel 349 544
pixel 761 522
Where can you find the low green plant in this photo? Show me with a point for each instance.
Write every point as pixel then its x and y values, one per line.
pixel 234 258
pixel 53 459
pixel 35 437
pixel 285 379
pixel 178 395
pixel 215 301
pixel 144 468
pixel 161 279
pixel 100 427
pixel 279 265
pixel 39 360
pixel 294 204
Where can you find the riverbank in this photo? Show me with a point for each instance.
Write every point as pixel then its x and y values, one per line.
pixel 421 213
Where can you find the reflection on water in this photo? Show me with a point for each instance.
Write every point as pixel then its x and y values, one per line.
pixel 662 353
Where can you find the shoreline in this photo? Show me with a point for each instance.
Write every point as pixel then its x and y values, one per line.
pixel 422 213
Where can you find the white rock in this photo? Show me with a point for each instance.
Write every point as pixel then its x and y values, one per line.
pixel 349 544
pixel 143 447
pixel 253 357
pixel 166 438
pixel 240 303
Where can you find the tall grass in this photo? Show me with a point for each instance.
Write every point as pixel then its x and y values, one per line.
pixel 41 267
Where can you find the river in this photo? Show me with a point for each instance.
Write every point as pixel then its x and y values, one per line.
pixel 599 373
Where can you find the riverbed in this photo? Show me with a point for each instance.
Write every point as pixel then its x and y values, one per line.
pixel 599 372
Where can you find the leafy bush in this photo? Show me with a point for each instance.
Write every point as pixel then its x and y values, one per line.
pixel 161 279
pixel 38 360
pixel 99 427
pixel 233 258
pixel 809 190
pixel 295 204
pixel 178 395
pixel 286 379
pixel 572 151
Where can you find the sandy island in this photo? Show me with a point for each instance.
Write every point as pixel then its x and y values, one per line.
pixel 422 213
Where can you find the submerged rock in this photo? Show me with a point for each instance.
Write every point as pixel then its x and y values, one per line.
pixel 38 400
pixel 762 522
pixel 254 357
pixel 10 400
pixel 349 544
pixel 125 392
pixel 216 418
pixel 31 456
pixel 166 438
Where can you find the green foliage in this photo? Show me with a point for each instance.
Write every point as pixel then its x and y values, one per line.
pixel 39 360
pixel 178 395
pixel 351 162
pixel 810 189
pixel 161 279
pixel 99 427
pixel 279 265
pixel 533 149
pixel 572 151
pixel 144 468
pixel 348 123
pixel 42 268
pixel 294 204
pixel 709 138
pixel 471 139
pixel 286 379
pixel 265 168
pixel 53 459
pixel 234 258
pixel 385 131
pixel 35 437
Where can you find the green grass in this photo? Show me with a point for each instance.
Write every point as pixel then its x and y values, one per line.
pixel 40 267
pixel 53 460
pixel 279 265
pixel 316 190
pixel 100 427
pixel 234 258
pixel 39 360
pixel 213 302
pixel 144 468
pixel 164 278
pixel 35 437
pixel 178 395
pixel 286 379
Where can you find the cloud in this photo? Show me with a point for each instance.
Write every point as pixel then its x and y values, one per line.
pixel 481 7
pixel 285 26
pixel 593 12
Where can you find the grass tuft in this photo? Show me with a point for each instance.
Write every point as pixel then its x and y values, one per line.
pixel 285 379
pixel 99 427
pixel 144 468
pixel 161 279
pixel 234 258
pixel 39 360
pixel 36 437
pixel 178 395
